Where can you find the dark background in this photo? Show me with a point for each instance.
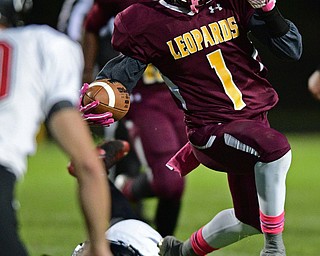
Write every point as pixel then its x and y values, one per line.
pixel 296 111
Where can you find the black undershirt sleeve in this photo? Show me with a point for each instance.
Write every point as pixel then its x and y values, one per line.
pixel 57 107
pixel 123 69
pixel 280 35
pixel 276 25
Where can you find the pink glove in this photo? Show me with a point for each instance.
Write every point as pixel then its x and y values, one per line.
pixel 194 6
pixel 265 5
pixel 104 119
pixel 269 6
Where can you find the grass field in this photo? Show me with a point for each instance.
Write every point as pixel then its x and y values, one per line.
pixel 51 224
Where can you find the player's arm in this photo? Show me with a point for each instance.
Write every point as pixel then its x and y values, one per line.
pixel 314 83
pixel 90 46
pixel 70 131
pixel 280 35
pixel 97 18
pixel 123 69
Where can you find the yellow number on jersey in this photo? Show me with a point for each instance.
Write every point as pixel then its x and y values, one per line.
pixel 152 75
pixel 217 62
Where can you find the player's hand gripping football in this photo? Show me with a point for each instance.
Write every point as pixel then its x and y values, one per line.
pixel 104 119
pixel 264 5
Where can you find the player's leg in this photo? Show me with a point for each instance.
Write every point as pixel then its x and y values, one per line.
pixel 120 206
pixel 274 159
pixel 225 228
pixel 169 202
pixel 167 185
pixel 250 143
pixel 155 143
pixel 271 187
pixel 131 165
pixel 251 146
pixel 10 244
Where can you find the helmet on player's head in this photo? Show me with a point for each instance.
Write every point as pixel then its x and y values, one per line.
pixel 12 11
pixel 193 5
pixel 118 248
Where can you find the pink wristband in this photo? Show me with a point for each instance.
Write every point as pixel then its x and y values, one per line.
pixel 269 6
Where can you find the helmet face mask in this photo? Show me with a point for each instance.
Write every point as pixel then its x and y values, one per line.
pixel 193 5
pixel 118 248
pixel 12 11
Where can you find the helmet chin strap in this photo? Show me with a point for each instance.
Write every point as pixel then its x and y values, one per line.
pixel 193 6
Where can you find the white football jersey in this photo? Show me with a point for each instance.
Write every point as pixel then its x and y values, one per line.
pixel 136 233
pixel 39 67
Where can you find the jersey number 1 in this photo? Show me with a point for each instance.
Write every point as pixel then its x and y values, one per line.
pixel 217 62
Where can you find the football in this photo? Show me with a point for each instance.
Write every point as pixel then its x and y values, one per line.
pixel 112 95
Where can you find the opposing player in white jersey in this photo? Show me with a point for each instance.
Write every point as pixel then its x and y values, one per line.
pixel 40 74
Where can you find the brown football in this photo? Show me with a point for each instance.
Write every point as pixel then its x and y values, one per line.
pixel 112 95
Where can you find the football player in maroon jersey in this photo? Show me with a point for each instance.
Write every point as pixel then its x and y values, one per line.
pixel 202 49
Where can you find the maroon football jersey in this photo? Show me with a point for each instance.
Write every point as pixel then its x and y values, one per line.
pixel 213 68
